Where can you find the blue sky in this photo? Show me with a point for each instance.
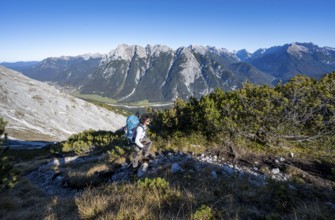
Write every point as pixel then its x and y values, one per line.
pixel 37 29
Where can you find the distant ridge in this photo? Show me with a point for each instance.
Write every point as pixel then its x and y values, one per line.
pixel 158 73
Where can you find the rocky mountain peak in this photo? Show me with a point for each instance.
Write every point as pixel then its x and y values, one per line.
pixel 297 50
pixel 243 54
pixel 122 52
pixel 157 49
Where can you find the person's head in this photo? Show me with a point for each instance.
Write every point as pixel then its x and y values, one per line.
pixel 145 119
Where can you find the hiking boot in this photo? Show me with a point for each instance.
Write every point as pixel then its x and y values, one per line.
pixel 142 170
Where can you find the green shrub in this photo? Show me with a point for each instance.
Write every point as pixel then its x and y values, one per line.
pixel 155 183
pixel 116 152
pixel 301 110
pixel 89 140
pixel 3 124
pixel 203 213
pixel 8 176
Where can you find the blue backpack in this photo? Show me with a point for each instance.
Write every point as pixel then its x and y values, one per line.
pixel 131 125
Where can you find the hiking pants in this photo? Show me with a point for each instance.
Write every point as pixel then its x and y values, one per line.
pixel 146 150
pixel 147 145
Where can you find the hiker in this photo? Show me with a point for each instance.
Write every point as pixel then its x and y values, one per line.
pixel 142 142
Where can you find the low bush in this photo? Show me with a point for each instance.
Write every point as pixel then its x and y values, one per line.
pixel 89 140
pixel 8 176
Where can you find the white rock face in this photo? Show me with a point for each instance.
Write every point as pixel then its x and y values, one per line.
pixel 37 111
pixel 297 50
pixel 158 49
pixel 191 69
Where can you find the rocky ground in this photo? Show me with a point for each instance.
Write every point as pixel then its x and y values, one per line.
pixel 257 170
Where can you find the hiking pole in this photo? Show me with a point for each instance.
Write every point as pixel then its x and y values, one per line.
pixel 137 155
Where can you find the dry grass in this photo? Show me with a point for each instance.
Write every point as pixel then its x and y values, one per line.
pixel 192 194
pixel 129 201
pixel 29 166
pixel 229 198
pixel 24 201
pixel 83 175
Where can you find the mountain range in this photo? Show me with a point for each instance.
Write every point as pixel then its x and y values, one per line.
pixel 35 110
pixel 158 73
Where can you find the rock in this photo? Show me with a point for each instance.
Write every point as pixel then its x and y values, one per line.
pixel 176 160
pixel 255 168
pixel 175 168
pixel 170 155
pixel 227 169
pixel 142 170
pixel 275 171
